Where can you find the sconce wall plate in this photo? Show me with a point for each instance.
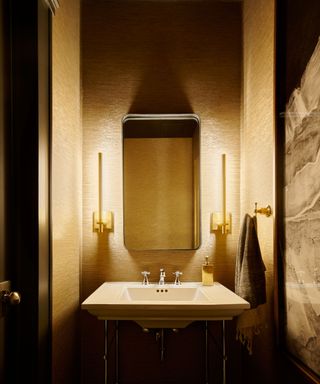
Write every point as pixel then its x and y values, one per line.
pixel 220 225
pixel 105 221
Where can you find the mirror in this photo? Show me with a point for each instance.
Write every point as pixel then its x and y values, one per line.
pixel 161 173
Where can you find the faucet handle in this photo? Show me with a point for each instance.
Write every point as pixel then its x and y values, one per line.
pixel 177 277
pixel 145 277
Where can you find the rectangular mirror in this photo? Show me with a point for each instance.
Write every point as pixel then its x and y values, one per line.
pixel 161 181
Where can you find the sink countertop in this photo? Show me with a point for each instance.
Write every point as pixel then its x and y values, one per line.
pixel 112 301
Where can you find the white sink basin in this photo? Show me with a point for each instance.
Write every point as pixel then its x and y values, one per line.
pixel 164 306
pixel 163 293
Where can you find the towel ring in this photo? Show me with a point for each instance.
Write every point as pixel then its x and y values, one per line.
pixel 267 211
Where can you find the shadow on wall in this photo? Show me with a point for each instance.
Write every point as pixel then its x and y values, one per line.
pixel 153 94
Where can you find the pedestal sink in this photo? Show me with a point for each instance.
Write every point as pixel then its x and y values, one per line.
pixel 164 306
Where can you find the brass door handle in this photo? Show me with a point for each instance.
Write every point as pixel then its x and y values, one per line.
pixel 12 298
pixel 7 297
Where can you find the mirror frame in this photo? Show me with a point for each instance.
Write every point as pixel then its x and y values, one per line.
pixel 196 241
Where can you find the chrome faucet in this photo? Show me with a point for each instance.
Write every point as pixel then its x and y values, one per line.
pixel 177 277
pixel 145 277
pixel 162 276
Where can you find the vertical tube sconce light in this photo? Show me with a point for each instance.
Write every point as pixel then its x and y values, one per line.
pixel 101 219
pixel 221 221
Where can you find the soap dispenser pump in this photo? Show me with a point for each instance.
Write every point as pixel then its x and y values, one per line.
pixel 207 272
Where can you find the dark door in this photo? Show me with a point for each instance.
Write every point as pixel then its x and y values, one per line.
pixel 2 179
pixel 24 189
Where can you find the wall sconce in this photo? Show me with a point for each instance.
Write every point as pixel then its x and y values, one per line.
pixel 101 219
pixel 221 221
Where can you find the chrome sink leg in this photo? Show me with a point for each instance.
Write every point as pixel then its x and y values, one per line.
pixel 105 357
pixel 160 338
pixel 206 352
pixel 224 356
pixel 162 345
pixel 117 351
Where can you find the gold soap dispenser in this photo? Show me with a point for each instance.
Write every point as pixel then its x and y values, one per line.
pixel 207 272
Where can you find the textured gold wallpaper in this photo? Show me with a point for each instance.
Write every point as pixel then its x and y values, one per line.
pixel 257 157
pixel 140 57
pixel 157 57
pixel 66 192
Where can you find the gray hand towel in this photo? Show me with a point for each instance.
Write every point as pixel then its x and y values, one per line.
pixel 250 282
